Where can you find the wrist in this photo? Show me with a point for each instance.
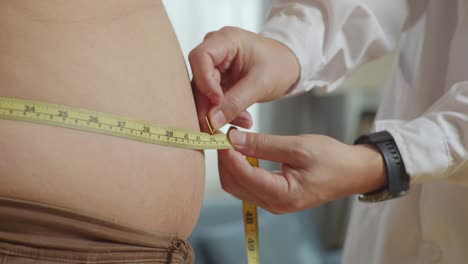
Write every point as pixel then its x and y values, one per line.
pixel 287 66
pixel 370 168
pixel 397 184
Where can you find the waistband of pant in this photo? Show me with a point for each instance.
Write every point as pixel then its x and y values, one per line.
pixel 47 232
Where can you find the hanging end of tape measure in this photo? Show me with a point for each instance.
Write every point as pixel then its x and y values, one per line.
pixel 253 161
pixel 210 127
pixel 251 225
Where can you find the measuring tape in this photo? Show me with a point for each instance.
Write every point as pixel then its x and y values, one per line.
pixel 251 226
pixel 250 214
pixel 108 124
pixel 113 125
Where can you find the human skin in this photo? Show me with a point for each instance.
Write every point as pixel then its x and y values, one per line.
pixel 234 69
pixel 114 56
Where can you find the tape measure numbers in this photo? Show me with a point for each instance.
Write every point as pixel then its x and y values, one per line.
pixel 251 226
pixel 108 124
pixel 113 125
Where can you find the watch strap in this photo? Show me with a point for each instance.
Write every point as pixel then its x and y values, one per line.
pixel 397 178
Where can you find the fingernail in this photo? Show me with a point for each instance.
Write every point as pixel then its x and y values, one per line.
pixel 217 119
pixel 237 138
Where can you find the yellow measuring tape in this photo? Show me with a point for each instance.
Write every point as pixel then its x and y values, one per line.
pixel 251 225
pixel 113 125
pixel 108 124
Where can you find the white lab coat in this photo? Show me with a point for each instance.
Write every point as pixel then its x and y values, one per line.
pixel 425 108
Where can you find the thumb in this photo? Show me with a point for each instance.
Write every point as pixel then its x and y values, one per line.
pixel 281 149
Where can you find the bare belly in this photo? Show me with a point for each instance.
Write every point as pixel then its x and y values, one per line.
pixel 115 56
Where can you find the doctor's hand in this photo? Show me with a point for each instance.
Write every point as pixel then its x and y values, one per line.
pixel 315 169
pixel 233 69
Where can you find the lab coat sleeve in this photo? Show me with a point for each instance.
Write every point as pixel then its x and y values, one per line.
pixel 434 146
pixel 330 38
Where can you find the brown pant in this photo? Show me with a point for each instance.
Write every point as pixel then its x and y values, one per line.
pixel 40 234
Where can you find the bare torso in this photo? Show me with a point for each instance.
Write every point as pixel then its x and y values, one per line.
pixel 114 56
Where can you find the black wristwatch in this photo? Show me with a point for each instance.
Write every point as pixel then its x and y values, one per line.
pixel 397 178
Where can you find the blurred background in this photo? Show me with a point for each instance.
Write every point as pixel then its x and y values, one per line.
pixel 311 236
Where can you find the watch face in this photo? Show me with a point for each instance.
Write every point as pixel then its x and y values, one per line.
pixel 379 196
